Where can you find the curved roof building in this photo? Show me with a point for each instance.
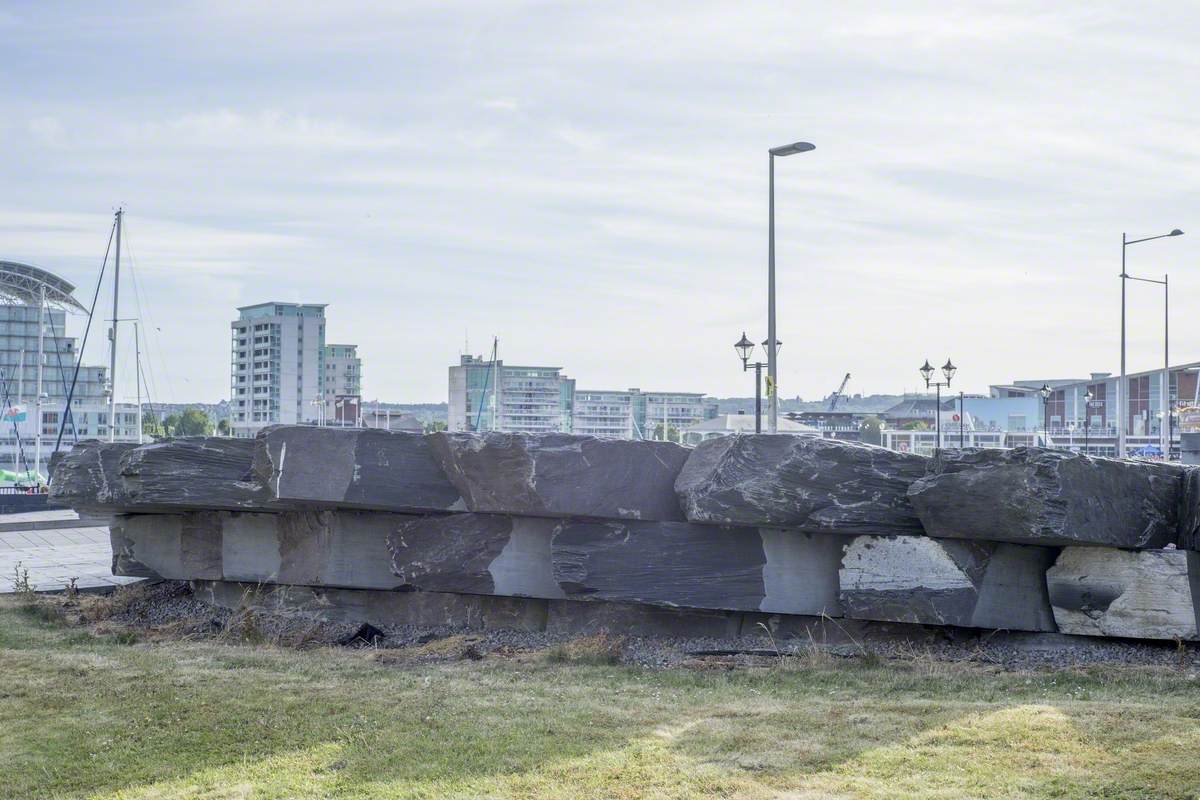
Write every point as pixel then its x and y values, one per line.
pixel 21 284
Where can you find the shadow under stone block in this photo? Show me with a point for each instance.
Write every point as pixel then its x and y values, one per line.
pixel 1147 594
pixel 946 582
pixel 173 546
pixel 562 475
pixel 803 482
pixel 628 619
pixel 1031 495
pixel 380 608
pixel 363 469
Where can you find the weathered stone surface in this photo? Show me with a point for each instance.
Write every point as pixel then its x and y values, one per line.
pixel 313 548
pixel 1048 497
pixel 476 554
pixel 174 546
pixel 366 469
pixel 562 475
pixel 698 566
pixel 380 608
pixel 816 485
pixel 88 477
pixel 202 472
pixel 1147 594
pixel 1189 509
pixel 946 582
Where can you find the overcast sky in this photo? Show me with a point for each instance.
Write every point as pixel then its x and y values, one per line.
pixel 589 182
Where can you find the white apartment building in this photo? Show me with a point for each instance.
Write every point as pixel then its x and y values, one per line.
pixel 634 414
pixel 343 384
pixel 277 375
pixel 494 396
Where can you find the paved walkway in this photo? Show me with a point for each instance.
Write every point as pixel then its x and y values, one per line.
pixel 54 557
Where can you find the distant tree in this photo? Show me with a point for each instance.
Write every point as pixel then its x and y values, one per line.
pixel 192 422
pixel 915 425
pixel 870 432
pixel 434 425
pixel 152 426
pixel 672 433
pixel 223 427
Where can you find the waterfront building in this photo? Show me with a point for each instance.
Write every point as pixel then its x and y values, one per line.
pixel 634 414
pixel 494 396
pixel 277 373
pixel 342 387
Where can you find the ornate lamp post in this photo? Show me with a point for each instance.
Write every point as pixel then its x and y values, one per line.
pixel 948 369
pixel 744 347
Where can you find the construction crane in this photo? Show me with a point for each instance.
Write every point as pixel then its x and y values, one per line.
pixel 833 398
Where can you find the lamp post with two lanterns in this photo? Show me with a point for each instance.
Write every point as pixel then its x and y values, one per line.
pixel 948 370
pixel 744 347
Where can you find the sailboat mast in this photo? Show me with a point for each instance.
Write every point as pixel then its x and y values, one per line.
pixel 37 403
pixel 137 360
pixel 112 337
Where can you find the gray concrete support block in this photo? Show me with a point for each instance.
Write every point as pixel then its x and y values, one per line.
pixel 946 582
pixel 1147 594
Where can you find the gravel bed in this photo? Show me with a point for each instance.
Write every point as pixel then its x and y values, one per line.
pixel 170 606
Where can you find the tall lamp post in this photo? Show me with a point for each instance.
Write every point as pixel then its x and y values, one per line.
pixel 772 347
pixel 1087 418
pixel 1045 392
pixel 1122 388
pixel 948 369
pixel 744 347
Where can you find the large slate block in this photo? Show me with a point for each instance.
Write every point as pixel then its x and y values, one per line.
pixel 202 472
pixel 562 475
pixel 946 582
pixel 1048 497
pixel 312 548
pixel 1146 594
pixel 698 566
pixel 816 485
pixel 365 469
pixel 88 477
pixel 476 554
pixel 1189 509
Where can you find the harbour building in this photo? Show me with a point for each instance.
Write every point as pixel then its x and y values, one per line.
pixel 489 395
pixel 278 366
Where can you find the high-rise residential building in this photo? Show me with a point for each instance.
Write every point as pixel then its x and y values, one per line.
pixel 277 375
pixel 343 384
pixel 491 395
pixel 634 414
pixel 22 290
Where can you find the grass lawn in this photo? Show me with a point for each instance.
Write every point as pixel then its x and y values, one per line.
pixel 100 716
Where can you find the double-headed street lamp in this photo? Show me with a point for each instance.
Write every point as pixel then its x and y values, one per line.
pixel 948 370
pixel 744 348
pixel 1122 388
pixel 772 348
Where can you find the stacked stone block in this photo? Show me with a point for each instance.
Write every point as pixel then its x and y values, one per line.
pixel 653 535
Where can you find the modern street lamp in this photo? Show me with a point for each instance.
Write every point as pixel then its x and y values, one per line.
pixel 744 347
pixel 948 370
pixel 1122 388
pixel 1045 392
pixel 772 349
